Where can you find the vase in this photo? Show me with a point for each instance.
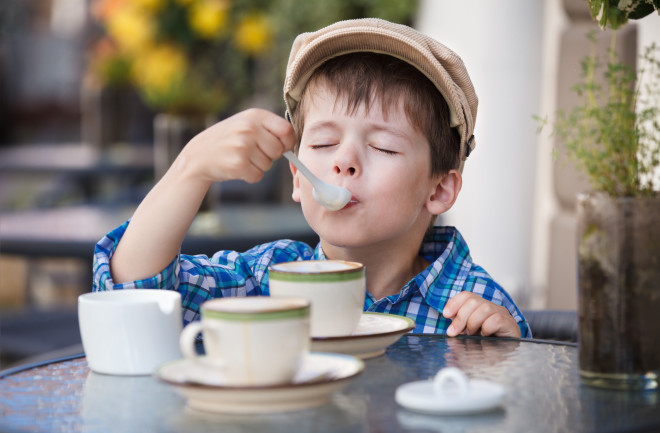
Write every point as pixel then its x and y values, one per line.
pixel 113 115
pixel 171 133
pixel 619 291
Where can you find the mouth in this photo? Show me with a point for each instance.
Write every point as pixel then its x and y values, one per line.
pixel 354 201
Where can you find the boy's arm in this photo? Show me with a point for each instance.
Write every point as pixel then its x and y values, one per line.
pixel 243 147
pixel 474 314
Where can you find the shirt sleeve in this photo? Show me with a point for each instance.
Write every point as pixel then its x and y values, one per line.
pixel 199 278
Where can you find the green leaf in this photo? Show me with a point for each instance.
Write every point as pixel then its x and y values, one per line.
pixel 605 13
pixel 594 7
pixel 643 9
pixel 616 18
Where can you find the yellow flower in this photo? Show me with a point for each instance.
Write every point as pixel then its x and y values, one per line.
pixel 253 34
pixel 131 27
pixel 102 9
pixel 151 5
pixel 158 68
pixel 208 17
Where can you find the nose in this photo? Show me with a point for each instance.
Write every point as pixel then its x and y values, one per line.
pixel 347 160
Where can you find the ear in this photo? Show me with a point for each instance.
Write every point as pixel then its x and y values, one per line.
pixel 295 195
pixel 446 191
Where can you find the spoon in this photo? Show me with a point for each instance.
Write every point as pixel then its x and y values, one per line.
pixel 332 197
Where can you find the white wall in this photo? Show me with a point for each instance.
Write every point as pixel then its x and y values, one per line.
pixel 500 44
pixel 544 203
pixel 649 32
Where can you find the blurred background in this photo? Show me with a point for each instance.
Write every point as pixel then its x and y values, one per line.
pixel 98 96
pixel 96 99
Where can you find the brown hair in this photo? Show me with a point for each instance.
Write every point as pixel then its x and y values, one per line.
pixel 363 77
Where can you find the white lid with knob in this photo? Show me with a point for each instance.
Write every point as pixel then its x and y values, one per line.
pixel 450 392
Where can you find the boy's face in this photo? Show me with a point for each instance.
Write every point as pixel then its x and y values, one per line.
pixel 384 162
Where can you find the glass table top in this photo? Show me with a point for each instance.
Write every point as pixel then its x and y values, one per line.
pixel 544 394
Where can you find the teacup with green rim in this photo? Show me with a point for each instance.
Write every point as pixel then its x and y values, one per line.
pixel 335 288
pixel 251 341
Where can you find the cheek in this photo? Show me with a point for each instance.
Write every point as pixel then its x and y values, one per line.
pixel 305 187
pixel 404 194
pixel 306 198
pixel 407 181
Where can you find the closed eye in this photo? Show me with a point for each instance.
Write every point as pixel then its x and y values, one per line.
pixel 320 146
pixel 385 151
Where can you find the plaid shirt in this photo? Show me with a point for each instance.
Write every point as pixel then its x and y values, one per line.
pixel 229 273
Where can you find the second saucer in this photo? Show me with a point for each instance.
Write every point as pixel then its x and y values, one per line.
pixel 374 333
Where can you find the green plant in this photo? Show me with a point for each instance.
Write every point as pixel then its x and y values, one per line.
pixel 613 134
pixel 615 13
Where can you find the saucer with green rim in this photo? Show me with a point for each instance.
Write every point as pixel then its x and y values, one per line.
pixel 321 375
pixel 373 335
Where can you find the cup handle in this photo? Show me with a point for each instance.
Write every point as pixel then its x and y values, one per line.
pixel 187 345
pixel 187 339
pixel 212 372
pixel 450 380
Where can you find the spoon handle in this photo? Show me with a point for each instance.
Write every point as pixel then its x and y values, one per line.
pixel 300 166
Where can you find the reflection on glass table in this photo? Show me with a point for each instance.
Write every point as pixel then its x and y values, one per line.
pixel 543 394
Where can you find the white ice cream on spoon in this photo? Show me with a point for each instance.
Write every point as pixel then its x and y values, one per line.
pixel 332 197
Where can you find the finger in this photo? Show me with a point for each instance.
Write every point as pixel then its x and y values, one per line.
pixel 256 163
pixel 266 136
pixel 257 149
pixel 275 137
pixel 454 303
pixel 483 312
pixel 239 160
pixel 269 146
pixel 259 158
pixel 280 129
pixel 253 174
pixel 501 325
pixel 459 322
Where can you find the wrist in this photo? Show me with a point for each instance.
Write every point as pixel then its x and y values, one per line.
pixel 184 172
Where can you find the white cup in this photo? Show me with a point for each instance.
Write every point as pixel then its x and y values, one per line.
pixel 250 341
pixel 335 288
pixel 130 332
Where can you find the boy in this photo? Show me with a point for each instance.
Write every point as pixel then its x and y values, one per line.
pixel 375 107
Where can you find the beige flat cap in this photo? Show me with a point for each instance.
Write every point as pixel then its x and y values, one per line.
pixel 441 65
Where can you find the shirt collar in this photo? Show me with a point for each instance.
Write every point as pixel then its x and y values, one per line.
pixel 450 265
pixel 445 248
pixel 318 253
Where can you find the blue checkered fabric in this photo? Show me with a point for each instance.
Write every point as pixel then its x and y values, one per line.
pixel 230 273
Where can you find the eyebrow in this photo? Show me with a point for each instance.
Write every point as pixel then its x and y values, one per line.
pixel 376 128
pixel 321 125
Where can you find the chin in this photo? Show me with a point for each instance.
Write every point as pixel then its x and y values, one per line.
pixel 344 240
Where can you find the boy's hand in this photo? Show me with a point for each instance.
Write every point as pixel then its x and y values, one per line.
pixel 242 146
pixel 473 314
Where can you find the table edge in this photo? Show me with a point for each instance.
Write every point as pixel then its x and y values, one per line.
pixel 21 368
pixel 480 337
